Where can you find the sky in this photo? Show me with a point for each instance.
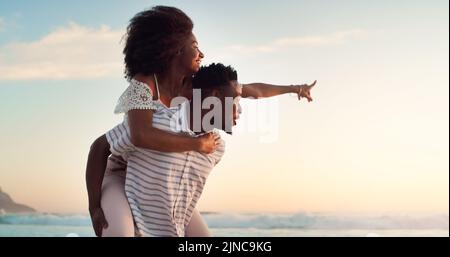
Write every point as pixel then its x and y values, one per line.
pixel 374 140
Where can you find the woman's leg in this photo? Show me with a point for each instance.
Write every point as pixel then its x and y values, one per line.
pixel 118 213
pixel 115 204
pixel 197 226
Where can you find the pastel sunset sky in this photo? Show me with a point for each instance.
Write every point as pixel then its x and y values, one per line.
pixel 374 140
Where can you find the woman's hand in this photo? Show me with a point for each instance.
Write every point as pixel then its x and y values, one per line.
pixel 208 143
pixel 98 220
pixel 305 91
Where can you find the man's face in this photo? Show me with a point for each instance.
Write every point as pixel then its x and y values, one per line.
pixel 232 96
pixel 218 108
pixel 237 109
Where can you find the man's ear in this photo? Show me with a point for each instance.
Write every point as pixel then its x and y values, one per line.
pixel 216 93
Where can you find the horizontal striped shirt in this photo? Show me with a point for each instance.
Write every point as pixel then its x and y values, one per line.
pixel 163 188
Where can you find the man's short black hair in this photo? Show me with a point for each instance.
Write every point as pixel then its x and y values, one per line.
pixel 153 38
pixel 214 76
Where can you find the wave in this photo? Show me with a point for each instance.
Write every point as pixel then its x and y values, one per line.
pixel 262 221
pixel 45 219
pixel 310 221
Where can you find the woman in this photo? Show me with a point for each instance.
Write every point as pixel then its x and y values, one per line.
pixel 160 49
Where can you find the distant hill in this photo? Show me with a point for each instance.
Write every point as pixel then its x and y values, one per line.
pixel 9 206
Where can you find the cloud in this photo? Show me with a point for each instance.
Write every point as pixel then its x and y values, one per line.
pixel 289 43
pixel 70 52
pixel 78 52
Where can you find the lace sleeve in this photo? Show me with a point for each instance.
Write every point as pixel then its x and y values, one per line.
pixel 137 96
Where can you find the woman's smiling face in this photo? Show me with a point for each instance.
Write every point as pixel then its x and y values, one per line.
pixel 191 56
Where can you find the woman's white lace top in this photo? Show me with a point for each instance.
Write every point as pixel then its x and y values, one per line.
pixel 139 96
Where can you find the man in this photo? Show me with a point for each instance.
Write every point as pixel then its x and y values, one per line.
pixel 215 80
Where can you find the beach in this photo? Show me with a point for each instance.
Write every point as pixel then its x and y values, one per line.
pixel 251 225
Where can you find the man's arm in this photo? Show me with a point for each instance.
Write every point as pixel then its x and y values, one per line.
pixel 262 90
pixel 95 171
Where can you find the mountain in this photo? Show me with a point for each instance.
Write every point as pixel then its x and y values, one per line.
pixel 9 206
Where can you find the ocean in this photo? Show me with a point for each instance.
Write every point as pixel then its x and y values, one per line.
pixel 253 225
